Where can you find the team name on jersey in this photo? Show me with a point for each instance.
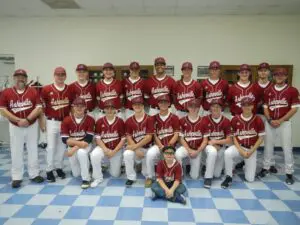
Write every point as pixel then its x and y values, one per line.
pixel 19 106
pixel 165 132
pixel 216 135
pixel 109 95
pixel 185 97
pixel 108 137
pixel 275 104
pixel 239 98
pixel 192 136
pixel 214 95
pixel 133 93
pixel 59 103
pixel 87 97
pixel 139 135
pixel 159 91
pixel 78 135
pixel 243 134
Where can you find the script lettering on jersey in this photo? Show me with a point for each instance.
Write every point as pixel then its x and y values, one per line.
pixel 275 104
pixel 59 103
pixel 19 106
pixel 163 133
pixel 239 98
pixel 244 134
pixel 185 97
pixel 109 137
pixel 156 92
pixel 133 94
pixel 213 95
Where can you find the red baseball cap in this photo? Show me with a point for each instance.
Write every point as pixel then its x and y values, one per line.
pixel 280 71
pixel 216 102
pixel 109 103
pixel 159 60
pixel 194 103
pixel 60 70
pixel 79 101
pixel 264 65
pixel 138 100
pixel 163 98
pixel 134 66
pixel 187 65
pixel 20 72
pixel 214 65
pixel 108 66
pixel 81 67
pixel 244 67
pixel 247 101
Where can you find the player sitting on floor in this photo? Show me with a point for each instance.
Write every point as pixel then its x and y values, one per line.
pixel 168 183
pixel 77 131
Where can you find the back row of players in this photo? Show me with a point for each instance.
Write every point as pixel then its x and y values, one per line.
pixel 147 134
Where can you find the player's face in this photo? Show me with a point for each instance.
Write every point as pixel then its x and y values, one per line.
pixel 160 68
pixel 60 78
pixel 134 73
pixel 163 105
pixel 214 73
pixel 280 79
pixel 108 73
pixel 20 81
pixel 194 110
pixel 263 73
pixel 187 73
pixel 169 155
pixel 109 111
pixel 82 75
pixel 247 109
pixel 244 75
pixel 138 108
pixel 216 110
pixel 79 110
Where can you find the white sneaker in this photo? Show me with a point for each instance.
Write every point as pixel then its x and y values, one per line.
pixel 95 183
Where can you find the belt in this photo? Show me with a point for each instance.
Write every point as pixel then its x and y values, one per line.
pixel 54 119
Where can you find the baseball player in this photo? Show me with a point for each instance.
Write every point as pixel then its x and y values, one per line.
pixel 84 88
pixel 133 87
pixel 56 98
pixel 281 102
pixel 139 131
pixel 109 89
pixel 214 87
pixel 157 85
pixel 77 131
pixel 243 88
pixel 110 139
pixel 21 105
pixel 219 131
pixel 186 89
pixel 166 134
pixel 193 138
pixel 248 131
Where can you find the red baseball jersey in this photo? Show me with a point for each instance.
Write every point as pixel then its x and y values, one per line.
pixel 71 129
pixel 165 129
pixel 132 90
pixel 235 95
pixel 20 105
pixel 155 88
pixel 193 132
pixel 138 130
pixel 110 134
pixel 261 90
pixel 168 174
pixel 87 92
pixel 213 91
pixel 184 93
pixel 57 103
pixel 217 131
pixel 280 102
pixel 112 91
pixel 247 132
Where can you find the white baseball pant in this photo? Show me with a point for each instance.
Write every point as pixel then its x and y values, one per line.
pixel 97 157
pixel 284 132
pixel 182 153
pixel 80 163
pixel 19 136
pixel 55 146
pixel 232 154
pixel 128 113
pixel 148 162
pixel 214 161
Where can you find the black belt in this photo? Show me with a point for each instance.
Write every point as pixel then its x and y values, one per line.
pixel 54 119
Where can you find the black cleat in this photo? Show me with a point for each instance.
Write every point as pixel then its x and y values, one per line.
pixel 16 183
pixel 273 169
pixel 227 182
pixel 50 177
pixel 263 173
pixel 129 183
pixel 240 165
pixel 289 179
pixel 60 173
pixel 207 183
pixel 38 179
pixel 203 170
pixel 179 199
pixel 85 184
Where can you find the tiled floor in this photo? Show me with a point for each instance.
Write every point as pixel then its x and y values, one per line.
pixel 269 202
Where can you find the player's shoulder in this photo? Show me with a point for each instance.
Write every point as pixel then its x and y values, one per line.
pixel 68 119
pixel 225 120
pixel 47 87
pixel 119 120
pixel 8 91
pixel 223 81
pixel 174 116
pixel 292 89
pixel 89 118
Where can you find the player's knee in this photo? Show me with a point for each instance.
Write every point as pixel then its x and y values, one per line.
pixel 128 154
pixel 212 151
pixel 82 153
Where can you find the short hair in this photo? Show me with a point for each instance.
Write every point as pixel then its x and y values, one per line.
pixel 167 148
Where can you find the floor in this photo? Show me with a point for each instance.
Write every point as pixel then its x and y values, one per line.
pixel 269 202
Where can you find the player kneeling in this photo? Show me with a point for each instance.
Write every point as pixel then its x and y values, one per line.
pixel 77 131
pixel 110 139
pixel 168 173
pixel 193 137
pixel 219 131
pixel 139 132
pixel 248 131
